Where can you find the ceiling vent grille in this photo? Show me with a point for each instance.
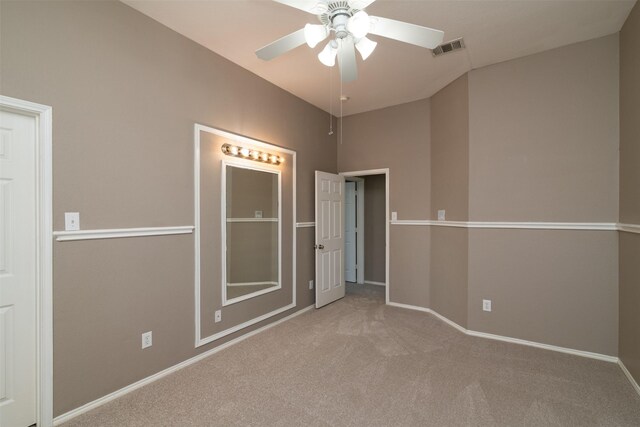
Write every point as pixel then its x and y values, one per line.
pixel 448 47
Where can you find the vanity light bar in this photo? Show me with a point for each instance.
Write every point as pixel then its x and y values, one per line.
pixel 246 153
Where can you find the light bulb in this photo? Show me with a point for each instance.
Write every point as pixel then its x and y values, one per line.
pixel 254 155
pixel 365 47
pixel 328 54
pixel 274 158
pixel 281 159
pixel 244 152
pixel 233 150
pixel 314 34
pixel 359 24
pixel 264 157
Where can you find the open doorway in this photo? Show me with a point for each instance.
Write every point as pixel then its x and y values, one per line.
pixel 366 228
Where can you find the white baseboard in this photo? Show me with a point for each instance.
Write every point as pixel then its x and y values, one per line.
pixel 148 380
pixel 581 353
pixel 371 282
pixel 629 376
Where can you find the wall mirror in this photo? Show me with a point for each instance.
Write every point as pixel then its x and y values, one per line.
pixel 251 227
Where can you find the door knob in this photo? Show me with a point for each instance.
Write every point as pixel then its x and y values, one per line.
pixel 318 247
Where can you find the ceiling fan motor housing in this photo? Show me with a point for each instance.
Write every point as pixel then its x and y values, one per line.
pixel 337 17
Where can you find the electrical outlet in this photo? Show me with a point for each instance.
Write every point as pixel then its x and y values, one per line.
pixel 218 316
pixel 147 339
pixel 394 216
pixel 72 221
pixel 486 305
pixel 310 284
pixel 258 214
pixel 441 215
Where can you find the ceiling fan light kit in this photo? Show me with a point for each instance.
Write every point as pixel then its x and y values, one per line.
pixel 365 47
pixel 314 34
pixel 350 25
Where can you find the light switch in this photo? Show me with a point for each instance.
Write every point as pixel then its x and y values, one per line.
pixel 441 215
pixel 258 214
pixel 394 216
pixel 71 221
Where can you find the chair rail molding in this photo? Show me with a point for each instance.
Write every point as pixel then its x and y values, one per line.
pixel 596 226
pixel 629 228
pixel 118 233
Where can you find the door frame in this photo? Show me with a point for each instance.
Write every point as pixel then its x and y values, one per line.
pixel 360 222
pixel 385 172
pixel 44 238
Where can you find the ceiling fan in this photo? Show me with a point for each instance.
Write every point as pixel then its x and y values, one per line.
pixel 348 25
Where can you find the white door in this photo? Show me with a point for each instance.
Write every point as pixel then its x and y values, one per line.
pixel 329 238
pixel 350 243
pixel 17 269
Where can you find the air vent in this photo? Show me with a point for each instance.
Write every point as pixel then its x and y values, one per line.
pixel 448 47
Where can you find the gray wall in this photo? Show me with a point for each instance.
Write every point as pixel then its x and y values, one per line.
pixel 375 228
pixel 539 138
pixel 544 136
pixel 126 92
pixel 398 138
pixel 543 146
pixel 629 192
pixel 450 191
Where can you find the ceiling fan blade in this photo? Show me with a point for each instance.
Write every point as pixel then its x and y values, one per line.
pixel 315 7
pixel 405 32
pixel 282 45
pixel 347 61
pixel 359 4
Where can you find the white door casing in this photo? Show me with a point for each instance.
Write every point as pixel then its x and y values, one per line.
pixel 350 233
pixel 18 281
pixel 384 172
pixel 329 238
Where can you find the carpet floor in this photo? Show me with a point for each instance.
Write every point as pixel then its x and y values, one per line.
pixel 358 362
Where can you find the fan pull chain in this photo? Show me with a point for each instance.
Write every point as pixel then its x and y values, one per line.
pixel 330 100
pixel 341 52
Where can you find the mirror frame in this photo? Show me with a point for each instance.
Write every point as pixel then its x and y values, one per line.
pixel 223 183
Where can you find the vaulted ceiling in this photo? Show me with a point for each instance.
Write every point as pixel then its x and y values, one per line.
pixel 493 31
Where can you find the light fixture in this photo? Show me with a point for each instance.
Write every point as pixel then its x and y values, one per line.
pixel 328 54
pixel 314 34
pixel 365 47
pixel 359 24
pixel 259 156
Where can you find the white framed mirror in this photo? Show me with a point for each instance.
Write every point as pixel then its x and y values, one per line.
pixel 251 231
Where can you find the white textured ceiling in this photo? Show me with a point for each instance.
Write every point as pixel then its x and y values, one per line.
pixel 494 31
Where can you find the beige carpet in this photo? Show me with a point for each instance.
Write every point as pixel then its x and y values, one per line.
pixel 358 362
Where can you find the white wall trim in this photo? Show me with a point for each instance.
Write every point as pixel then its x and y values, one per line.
pixel 199 340
pixel 233 163
pixel 118 233
pixel 387 178
pixel 629 228
pixel 371 282
pixel 632 380
pixel 305 224
pixel 44 255
pixel 252 219
pixel 428 310
pixel 581 353
pixel 599 226
pixel 152 378
pixel 252 284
